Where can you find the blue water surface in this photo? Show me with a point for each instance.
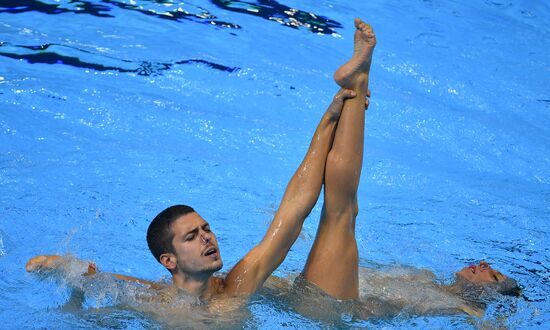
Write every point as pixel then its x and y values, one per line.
pixel 111 110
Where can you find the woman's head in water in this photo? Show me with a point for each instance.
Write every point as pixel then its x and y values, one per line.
pixel 481 273
pixel 479 283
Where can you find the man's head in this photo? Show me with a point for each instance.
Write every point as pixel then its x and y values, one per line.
pixel 181 240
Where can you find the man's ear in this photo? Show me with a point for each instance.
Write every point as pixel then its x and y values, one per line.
pixel 168 260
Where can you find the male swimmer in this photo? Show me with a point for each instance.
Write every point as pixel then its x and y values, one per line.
pixel 182 241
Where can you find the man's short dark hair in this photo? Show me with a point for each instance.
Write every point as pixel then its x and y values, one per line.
pixel 159 233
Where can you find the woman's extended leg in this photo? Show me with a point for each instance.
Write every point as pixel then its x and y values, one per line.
pixel 332 264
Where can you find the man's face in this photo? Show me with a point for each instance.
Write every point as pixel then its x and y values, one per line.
pixel 195 245
pixel 482 273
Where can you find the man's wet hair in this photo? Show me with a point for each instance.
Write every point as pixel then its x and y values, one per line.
pixel 160 234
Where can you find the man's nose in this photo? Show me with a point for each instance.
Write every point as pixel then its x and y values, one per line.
pixel 205 237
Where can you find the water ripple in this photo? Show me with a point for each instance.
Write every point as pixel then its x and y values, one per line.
pixel 40 54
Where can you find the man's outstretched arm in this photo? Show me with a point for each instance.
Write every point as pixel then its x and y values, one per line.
pixel 299 198
pixel 56 262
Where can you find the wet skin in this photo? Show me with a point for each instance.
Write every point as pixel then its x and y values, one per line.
pixel 481 273
pixel 195 246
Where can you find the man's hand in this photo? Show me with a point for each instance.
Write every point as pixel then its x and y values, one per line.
pixel 53 262
pixel 43 262
pixel 335 108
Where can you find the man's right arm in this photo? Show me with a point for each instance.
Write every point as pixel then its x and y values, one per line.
pixel 55 262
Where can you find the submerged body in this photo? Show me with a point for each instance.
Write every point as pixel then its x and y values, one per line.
pixel 383 292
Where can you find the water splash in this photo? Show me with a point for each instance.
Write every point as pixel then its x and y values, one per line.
pixel 5 244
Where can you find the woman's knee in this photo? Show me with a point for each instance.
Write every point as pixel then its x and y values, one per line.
pixel 336 162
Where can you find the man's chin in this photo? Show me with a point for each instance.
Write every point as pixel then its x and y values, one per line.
pixel 216 266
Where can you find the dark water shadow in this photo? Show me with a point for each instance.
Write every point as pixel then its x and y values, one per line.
pixel 265 9
pixel 104 10
pixel 286 16
pixel 43 54
pixel 54 54
pixel 203 17
pixel 498 4
pixel 82 7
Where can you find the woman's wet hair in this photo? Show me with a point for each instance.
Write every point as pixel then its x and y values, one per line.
pixel 479 294
pixel 508 287
pixel 159 233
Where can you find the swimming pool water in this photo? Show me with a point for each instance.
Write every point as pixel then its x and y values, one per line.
pixel 112 110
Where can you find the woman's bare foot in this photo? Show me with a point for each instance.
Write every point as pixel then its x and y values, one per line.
pixel 354 74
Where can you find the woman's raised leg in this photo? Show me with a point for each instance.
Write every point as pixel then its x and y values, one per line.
pixel 332 264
